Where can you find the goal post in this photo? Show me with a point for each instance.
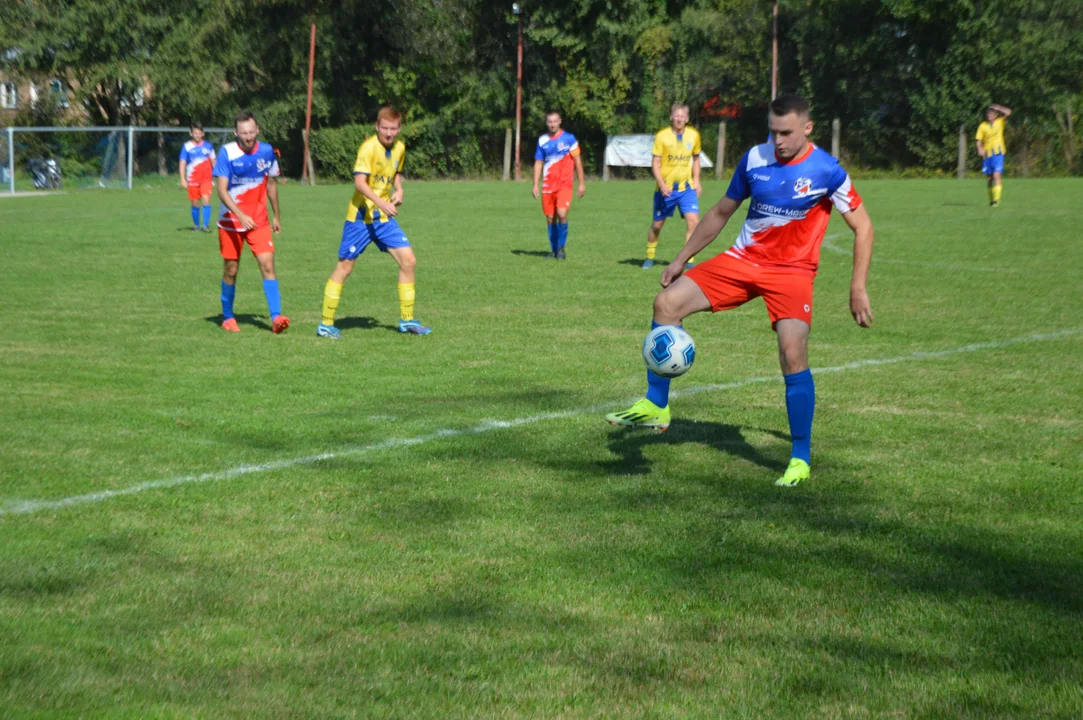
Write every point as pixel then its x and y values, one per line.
pixel 635 151
pixel 93 156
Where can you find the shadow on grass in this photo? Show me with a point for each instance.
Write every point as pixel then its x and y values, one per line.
pixel 629 443
pixel 531 253
pixel 363 323
pixel 252 320
pixel 639 263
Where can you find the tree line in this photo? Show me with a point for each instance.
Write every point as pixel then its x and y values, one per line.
pixel 902 76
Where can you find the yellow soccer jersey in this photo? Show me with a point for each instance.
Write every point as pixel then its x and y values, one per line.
pixel 381 165
pixel 992 137
pixel 676 152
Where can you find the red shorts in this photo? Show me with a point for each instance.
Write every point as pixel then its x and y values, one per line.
pixel 259 240
pixel 730 282
pixel 558 199
pixel 196 190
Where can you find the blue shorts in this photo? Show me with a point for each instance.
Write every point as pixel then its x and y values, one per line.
pixel 356 236
pixel 992 164
pixel 685 201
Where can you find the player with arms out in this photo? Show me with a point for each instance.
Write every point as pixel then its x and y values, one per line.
pixel 245 173
pixel 556 156
pixel 196 160
pixel 370 218
pixel 793 185
pixel 991 147
pixel 675 164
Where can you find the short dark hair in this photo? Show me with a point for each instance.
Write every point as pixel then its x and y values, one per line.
pixel 789 103
pixel 195 126
pixel 243 116
pixel 553 111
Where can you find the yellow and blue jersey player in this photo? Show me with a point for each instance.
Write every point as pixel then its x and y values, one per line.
pixel 675 165
pixel 370 218
pixel 990 138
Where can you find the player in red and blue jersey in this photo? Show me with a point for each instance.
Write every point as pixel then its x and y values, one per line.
pixel 196 159
pixel 557 155
pixel 792 185
pixel 245 173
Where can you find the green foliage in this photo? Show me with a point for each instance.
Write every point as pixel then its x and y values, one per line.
pixel 901 75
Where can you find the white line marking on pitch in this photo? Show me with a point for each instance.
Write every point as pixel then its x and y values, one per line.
pixel 26 507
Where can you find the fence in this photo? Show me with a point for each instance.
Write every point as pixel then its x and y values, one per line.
pixel 101 156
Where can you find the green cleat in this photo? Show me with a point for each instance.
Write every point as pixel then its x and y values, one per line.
pixel 643 414
pixel 795 473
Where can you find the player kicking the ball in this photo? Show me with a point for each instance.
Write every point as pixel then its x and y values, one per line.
pixel 370 218
pixel 792 185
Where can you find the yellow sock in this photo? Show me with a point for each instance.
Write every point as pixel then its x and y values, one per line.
pixel 692 259
pixel 651 249
pixel 332 293
pixel 406 300
pixel 995 194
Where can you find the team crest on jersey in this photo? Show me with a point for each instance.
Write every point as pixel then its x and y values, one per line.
pixel 802 186
pixel 262 164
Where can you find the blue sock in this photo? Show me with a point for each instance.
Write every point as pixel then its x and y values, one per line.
pixel 657 386
pixel 553 237
pixel 274 298
pixel 228 293
pixel 800 405
pixel 195 216
pixel 206 216
pixel 562 234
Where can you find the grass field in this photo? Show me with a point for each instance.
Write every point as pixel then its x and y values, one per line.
pixel 199 524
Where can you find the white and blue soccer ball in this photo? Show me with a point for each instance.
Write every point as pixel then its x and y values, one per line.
pixel 669 351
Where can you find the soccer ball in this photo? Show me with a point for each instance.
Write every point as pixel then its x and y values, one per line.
pixel 669 351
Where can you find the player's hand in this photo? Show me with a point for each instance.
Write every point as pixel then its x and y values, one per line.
pixel 535 192
pixel 396 198
pixel 665 190
pixel 183 185
pixel 698 188
pixel 249 223
pixel 582 189
pixel 276 226
pixel 387 208
pixel 860 308
pixel 671 273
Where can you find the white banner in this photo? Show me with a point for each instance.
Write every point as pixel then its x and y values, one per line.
pixel 635 151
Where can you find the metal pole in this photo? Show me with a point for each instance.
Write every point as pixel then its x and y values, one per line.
pixel 720 154
pixel 11 158
pixel 308 107
pixel 774 51
pixel 836 137
pixel 507 155
pixel 960 171
pixel 519 103
pixel 131 154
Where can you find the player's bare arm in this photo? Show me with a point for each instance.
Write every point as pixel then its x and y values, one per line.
pixel 272 196
pixel 705 233
pixel 361 182
pixel 581 175
pixel 222 183
pixel 396 197
pixel 859 221
pixel 183 176
pixel 695 176
pixel 1002 109
pixel 656 169
pixel 537 178
pixel 981 149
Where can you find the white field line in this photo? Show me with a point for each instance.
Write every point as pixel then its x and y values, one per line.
pixel 26 507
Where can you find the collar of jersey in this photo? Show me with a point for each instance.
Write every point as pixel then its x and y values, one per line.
pixel 249 152
pixel 797 160
pixel 554 137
